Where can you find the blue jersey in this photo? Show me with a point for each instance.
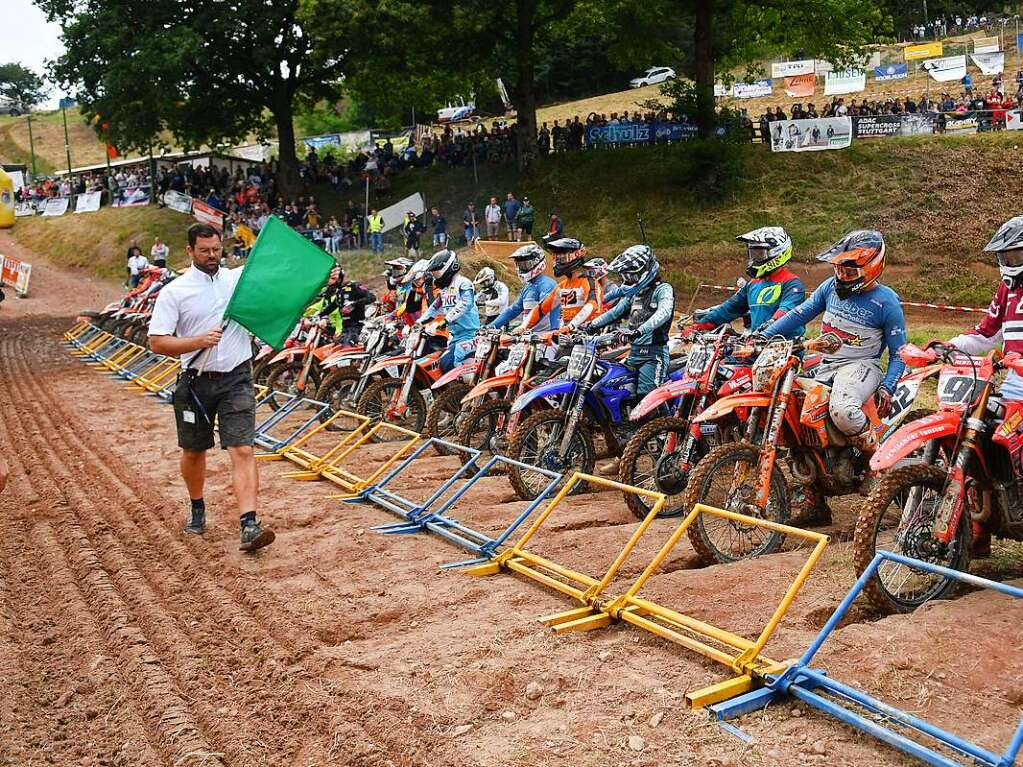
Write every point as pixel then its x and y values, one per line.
pixel 867 323
pixel 764 299
pixel 457 305
pixel 531 295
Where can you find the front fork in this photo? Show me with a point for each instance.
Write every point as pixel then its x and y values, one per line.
pixel 573 420
pixel 768 448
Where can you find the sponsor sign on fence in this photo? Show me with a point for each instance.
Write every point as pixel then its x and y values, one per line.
pixel 920 124
pixel 848 81
pixel 946 69
pixel 960 124
pixel 133 197
pixel 56 206
pixel 891 72
pixel 16 273
pixel 207 214
pixel 1014 120
pixel 24 209
pixel 88 202
pixel 875 126
pixel 811 135
pixel 639 133
pixel 985 44
pixel 800 86
pixel 923 51
pixel 754 90
pixel 177 201
pixel 792 68
pixel 989 63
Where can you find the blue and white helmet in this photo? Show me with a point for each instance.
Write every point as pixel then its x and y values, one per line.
pixel 637 266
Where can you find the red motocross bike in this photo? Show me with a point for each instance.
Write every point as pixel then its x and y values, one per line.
pixel 951 480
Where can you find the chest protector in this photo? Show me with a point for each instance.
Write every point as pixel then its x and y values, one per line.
pixel 643 307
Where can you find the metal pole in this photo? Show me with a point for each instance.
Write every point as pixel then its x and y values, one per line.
pixel 925 13
pixel 365 211
pixel 67 150
pixel 31 145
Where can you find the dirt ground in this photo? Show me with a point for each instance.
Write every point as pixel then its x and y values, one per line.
pixel 125 642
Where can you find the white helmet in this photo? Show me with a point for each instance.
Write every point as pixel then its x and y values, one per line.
pixel 485 278
pixel 530 261
pixel 1007 244
pixel 417 274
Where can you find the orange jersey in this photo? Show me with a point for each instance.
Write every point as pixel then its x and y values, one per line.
pixel 580 298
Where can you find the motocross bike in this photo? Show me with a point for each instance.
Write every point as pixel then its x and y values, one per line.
pixel 345 376
pixel 446 413
pixel 590 397
pixel 486 426
pixel 950 481
pixel 400 398
pixel 789 418
pixel 662 454
pixel 296 368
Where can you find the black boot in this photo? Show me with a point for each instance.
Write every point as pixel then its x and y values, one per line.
pixel 197 523
pixel 253 535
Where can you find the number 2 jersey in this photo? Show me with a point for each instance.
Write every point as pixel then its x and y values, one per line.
pixel 867 323
pixel 1003 324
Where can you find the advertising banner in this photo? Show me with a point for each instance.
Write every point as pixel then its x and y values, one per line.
pixel 17 178
pixel 946 69
pixel 393 215
pixel 182 203
pixel 16 273
pixel 958 125
pixel 207 214
pixel 720 90
pixel 811 135
pixel 754 90
pixel 792 68
pixel 800 86
pixel 1014 120
pixel 923 51
pixel 876 126
pixel 985 44
pixel 254 152
pixel 891 72
pixel 132 198
pixel 56 206
pixel 989 63
pixel 639 133
pixel 849 81
pixel 24 209
pixel 88 202
pixel 315 142
pixel 918 124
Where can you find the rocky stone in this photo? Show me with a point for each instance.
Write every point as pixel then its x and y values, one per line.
pixel 461 730
pixel 636 743
pixel 656 719
pixel 774 753
pixel 604 656
pixel 509 716
pixel 534 691
pixel 819 748
pixel 796 711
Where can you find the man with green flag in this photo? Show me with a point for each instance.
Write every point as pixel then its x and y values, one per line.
pixel 203 316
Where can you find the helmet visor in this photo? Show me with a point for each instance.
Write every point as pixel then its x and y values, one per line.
pixel 758 254
pixel 1010 257
pixel 631 278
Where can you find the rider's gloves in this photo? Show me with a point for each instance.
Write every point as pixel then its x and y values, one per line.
pixel 585 327
pixel 627 334
pixel 884 402
pixel 695 327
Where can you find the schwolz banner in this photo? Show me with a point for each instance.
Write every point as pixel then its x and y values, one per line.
pixel 874 127
pixel 639 133
pixel 56 206
pixel 811 135
pixel 177 201
pixel 131 198
pixel 891 72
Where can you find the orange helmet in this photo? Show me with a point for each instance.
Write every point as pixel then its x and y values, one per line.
pixel 858 259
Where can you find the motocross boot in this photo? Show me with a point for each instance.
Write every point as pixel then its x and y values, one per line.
pixel 865 441
pixel 980 541
pixel 809 508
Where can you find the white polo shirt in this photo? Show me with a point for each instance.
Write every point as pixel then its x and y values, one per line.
pixel 194 304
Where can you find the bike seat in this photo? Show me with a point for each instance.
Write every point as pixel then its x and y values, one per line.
pixel 808 384
pixel 613 355
pixel 677 363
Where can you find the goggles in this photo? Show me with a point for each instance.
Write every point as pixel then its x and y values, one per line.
pixel 1010 257
pixel 848 272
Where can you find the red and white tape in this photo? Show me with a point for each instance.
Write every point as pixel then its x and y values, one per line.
pixel 942 307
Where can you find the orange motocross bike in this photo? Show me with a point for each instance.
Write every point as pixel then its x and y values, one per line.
pixel 788 419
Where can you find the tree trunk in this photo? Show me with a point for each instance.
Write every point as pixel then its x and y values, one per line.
pixel 703 48
pixel 525 90
pixel 288 179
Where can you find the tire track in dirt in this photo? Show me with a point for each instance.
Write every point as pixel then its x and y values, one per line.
pixel 272 687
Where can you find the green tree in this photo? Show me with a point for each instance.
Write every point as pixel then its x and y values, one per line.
pixel 206 71
pixel 21 84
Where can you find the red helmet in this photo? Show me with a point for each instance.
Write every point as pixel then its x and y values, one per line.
pixel 858 259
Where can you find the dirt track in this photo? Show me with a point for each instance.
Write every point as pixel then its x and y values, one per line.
pixel 125 642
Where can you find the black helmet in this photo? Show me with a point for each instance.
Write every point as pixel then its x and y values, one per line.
pixel 443 267
pixel 569 255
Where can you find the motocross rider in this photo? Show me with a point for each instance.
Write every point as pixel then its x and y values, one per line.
pixel 530 263
pixel 491 294
pixel 350 299
pixel 867 317
pixel 649 306
pixel 394 273
pixel 457 304
pixel 578 295
pixel 771 291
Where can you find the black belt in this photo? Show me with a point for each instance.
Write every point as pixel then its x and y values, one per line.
pixel 215 374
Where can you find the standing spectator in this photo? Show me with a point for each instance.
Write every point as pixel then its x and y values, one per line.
pixel 511 213
pixel 492 215
pixel 411 230
pixel 136 263
pixel 543 140
pixel 471 223
pixel 524 220
pixel 968 83
pixel 556 229
pixel 440 229
pixel 375 225
pixel 159 253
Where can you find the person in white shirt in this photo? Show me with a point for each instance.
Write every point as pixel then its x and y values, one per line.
pixel 136 263
pixel 492 216
pixel 159 253
pixel 215 385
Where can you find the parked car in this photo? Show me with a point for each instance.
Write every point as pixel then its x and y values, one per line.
pixel 11 107
pixel 652 76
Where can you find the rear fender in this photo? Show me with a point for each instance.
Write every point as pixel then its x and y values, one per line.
pixel 496 382
pixel 914 435
pixel 386 362
pixel 323 352
pixel 556 388
pixel 287 354
pixel 466 368
pixel 664 393
pixel 726 405
pixel 343 358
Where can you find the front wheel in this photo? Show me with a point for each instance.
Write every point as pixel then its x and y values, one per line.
pixel 283 378
pixel 337 390
pixel 382 401
pixel 653 460
pixel 899 517
pixel 484 427
pixel 537 442
pixel 726 478
pixel 445 416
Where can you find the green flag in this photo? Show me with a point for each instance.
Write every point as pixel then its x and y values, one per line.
pixel 283 274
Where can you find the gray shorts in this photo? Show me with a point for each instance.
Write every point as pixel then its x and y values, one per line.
pixel 229 399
